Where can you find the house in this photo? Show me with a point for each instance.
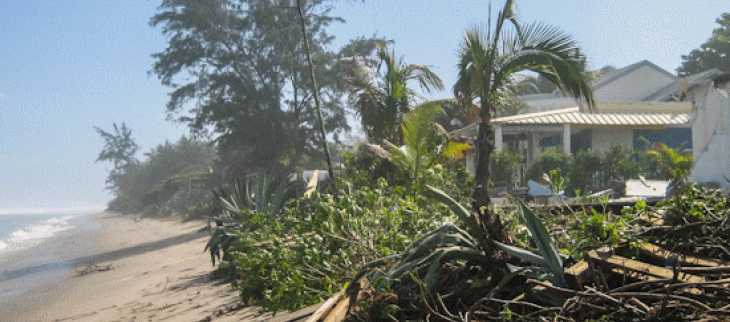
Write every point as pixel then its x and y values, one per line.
pixel 710 123
pixel 638 103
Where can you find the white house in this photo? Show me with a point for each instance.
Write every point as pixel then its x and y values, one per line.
pixel 711 132
pixel 633 104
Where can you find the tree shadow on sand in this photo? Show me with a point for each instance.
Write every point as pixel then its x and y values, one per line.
pixel 103 257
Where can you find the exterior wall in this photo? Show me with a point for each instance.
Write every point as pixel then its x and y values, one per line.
pixel 711 137
pixel 604 139
pixel 674 138
pixel 635 86
pixel 547 102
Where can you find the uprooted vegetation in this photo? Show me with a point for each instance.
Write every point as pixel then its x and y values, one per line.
pixel 408 253
pixel 662 262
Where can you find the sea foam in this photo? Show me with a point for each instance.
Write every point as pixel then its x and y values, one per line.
pixel 35 232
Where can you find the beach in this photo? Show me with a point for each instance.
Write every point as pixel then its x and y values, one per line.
pixel 127 270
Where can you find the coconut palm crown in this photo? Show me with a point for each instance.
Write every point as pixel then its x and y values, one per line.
pixel 383 99
pixel 489 61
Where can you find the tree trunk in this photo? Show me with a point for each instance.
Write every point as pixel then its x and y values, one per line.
pixel 316 101
pixel 481 202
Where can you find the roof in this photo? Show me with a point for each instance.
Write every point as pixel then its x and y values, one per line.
pixel 672 90
pixel 616 74
pixel 574 116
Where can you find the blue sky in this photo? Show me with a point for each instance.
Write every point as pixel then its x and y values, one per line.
pixel 67 66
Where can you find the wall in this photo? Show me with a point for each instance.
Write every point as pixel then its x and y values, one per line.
pixel 634 86
pixel 711 136
pixel 674 138
pixel 604 139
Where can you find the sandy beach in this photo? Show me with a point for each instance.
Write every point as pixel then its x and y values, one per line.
pixel 157 271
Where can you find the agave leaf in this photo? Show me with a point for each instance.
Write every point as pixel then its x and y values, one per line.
pixel 523 254
pixel 456 207
pixel 544 242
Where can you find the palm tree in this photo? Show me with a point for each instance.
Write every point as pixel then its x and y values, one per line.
pixel 489 60
pixel 382 100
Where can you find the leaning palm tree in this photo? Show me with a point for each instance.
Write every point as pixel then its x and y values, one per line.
pixel 489 60
pixel 383 99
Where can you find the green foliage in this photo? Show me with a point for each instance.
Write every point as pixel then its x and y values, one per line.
pixel 555 180
pixel 588 170
pixel 549 159
pixel 585 166
pixel 425 141
pixel 693 204
pixel 382 100
pixel 506 166
pixel 673 163
pixel 549 258
pixel 119 148
pixel 492 56
pixel 314 246
pixel 592 230
pixel 246 208
pixel 243 63
pixel 175 178
pixel 715 53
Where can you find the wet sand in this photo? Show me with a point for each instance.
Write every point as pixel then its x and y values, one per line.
pixel 157 271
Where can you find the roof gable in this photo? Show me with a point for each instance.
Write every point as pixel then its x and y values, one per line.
pixel 612 76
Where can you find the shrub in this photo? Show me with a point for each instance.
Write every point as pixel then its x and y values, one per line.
pixel 317 244
pixel 549 159
pixel 506 166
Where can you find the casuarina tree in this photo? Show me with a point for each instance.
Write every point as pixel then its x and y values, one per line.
pixel 239 71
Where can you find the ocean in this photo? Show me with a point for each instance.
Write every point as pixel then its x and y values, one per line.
pixel 38 249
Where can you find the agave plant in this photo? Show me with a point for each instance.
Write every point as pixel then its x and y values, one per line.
pixel 243 208
pixel 433 258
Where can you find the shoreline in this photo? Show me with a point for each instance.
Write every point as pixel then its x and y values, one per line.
pixel 157 271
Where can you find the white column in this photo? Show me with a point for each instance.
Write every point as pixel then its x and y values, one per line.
pixel 534 146
pixel 566 138
pixel 498 138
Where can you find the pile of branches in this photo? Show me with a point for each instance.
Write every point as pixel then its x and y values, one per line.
pixel 695 223
pixel 658 300
pixel 708 238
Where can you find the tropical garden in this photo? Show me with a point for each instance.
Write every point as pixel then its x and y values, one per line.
pixel 399 225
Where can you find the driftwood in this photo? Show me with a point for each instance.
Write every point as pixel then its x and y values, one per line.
pixel 92 267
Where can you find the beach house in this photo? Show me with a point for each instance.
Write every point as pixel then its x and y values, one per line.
pixel 636 104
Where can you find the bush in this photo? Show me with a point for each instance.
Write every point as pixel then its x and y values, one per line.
pixel 550 159
pixel 589 171
pixel 317 244
pixel 506 167
pixel 585 171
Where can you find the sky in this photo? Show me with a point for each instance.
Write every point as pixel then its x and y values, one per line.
pixel 68 66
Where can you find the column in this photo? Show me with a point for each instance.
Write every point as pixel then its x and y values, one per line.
pixel 566 139
pixel 534 146
pixel 498 138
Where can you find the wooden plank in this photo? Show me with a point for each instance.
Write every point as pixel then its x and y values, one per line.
pixel 577 275
pixel 686 260
pixel 296 316
pixel 326 307
pixel 625 265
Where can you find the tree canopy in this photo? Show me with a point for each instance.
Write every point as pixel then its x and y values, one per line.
pixel 383 98
pixel 119 148
pixel 715 53
pixel 490 58
pixel 239 73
